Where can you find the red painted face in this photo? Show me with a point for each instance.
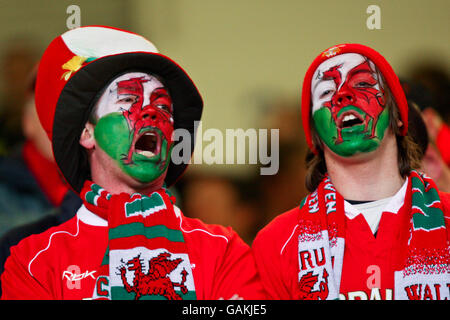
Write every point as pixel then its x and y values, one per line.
pixel 349 87
pixel 348 104
pixel 135 113
pixel 360 89
pixel 149 108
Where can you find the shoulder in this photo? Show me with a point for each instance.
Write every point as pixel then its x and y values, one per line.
pixel 214 241
pixel 280 226
pixel 32 246
pixel 29 270
pixel 69 227
pixel 274 250
pixel 15 235
pixel 445 200
pixel 214 234
pixel 279 232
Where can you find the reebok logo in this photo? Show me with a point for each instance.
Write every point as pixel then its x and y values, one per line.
pixel 76 277
pixel 73 276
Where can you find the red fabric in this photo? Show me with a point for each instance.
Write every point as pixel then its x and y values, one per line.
pixel 46 173
pixel 381 63
pixel 370 261
pixel 442 141
pixel 50 80
pixel 276 253
pixel 221 268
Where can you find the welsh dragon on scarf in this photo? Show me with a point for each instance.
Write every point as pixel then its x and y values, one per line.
pixel 146 256
pixel 322 240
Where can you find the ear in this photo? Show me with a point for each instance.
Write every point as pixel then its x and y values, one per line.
pixel 399 123
pixel 87 138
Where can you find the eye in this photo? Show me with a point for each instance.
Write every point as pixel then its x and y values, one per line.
pixel 163 107
pixel 364 84
pixel 325 93
pixel 129 99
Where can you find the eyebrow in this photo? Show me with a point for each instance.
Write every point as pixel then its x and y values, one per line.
pixel 363 67
pixel 117 95
pixel 321 80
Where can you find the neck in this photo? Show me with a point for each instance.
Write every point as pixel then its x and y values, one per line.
pixel 130 187
pixel 371 176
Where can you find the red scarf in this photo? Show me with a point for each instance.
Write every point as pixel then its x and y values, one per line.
pixel 146 256
pixel 424 264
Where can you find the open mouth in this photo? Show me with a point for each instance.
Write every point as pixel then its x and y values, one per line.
pixel 349 119
pixel 148 144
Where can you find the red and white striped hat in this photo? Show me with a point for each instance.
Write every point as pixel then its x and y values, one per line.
pixel 73 72
pixel 383 66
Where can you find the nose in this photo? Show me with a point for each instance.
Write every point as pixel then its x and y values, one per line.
pixel 149 113
pixel 343 97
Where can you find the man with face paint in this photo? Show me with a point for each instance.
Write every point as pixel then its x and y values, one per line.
pixel 373 227
pixel 110 104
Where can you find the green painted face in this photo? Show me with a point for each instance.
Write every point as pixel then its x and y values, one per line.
pixel 349 111
pixel 135 125
pixel 113 136
pixel 354 139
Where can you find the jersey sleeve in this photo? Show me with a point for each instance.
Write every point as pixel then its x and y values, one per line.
pixel 275 252
pixel 17 282
pixel 442 141
pixel 237 277
pixel 445 200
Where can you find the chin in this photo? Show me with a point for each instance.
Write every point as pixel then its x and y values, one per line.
pixel 352 156
pixel 154 183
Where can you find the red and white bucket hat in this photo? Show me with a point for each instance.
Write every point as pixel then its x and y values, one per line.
pixel 383 66
pixel 73 72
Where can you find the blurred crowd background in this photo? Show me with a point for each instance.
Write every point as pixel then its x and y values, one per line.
pixel 248 59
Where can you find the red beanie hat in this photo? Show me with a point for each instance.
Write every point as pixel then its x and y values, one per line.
pixel 72 74
pixel 383 66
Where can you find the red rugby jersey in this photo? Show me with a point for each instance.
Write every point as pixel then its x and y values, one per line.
pixel 63 262
pixel 367 271
pixel 442 140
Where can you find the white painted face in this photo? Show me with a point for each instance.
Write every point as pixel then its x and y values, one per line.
pixel 323 88
pixel 112 101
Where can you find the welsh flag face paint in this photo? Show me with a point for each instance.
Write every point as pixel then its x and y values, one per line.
pixel 135 125
pixel 348 104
